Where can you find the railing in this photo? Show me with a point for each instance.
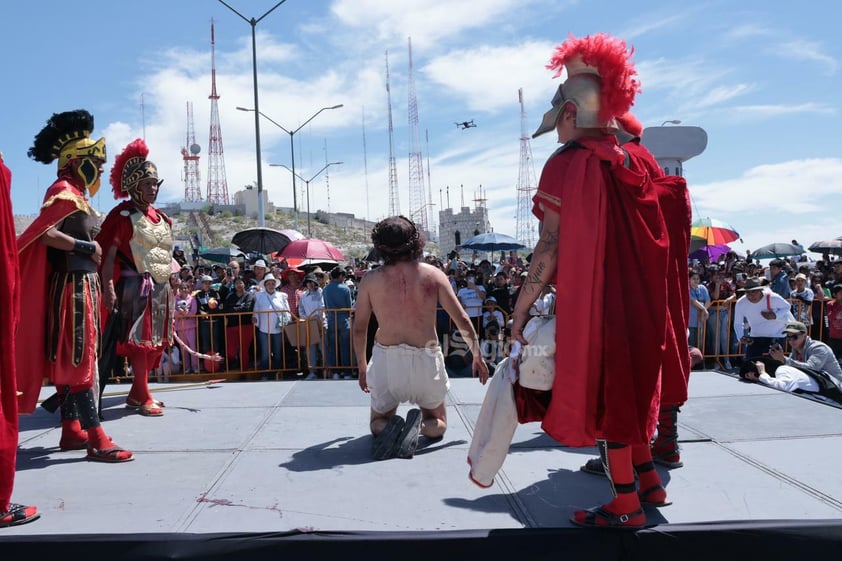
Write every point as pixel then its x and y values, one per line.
pixel 242 345
pixel 717 344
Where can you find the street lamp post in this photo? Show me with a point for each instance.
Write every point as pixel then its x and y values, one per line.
pixel 671 122
pixel 307 183
pixel 261 213
pixel 291 146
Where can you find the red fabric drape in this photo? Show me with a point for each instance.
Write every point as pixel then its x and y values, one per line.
pixel 9 314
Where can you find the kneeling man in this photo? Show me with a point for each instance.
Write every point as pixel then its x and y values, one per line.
pixel 407 364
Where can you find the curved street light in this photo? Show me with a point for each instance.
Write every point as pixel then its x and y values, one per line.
pixel 291 146
pixel 261 213
pixel 307 182
pixel 671 122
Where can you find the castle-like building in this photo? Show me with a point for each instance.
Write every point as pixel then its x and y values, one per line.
pixel 456 228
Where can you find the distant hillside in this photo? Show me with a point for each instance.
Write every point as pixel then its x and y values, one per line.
pixel 223 226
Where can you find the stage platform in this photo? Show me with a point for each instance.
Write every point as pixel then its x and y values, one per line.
pixel 262 468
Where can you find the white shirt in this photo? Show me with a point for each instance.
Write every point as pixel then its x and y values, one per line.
pixel 760 326
pixel 274 307
pixel 788 379
pixel 312 303
pixel 471 300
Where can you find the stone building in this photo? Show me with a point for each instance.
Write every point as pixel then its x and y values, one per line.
pixel 455 228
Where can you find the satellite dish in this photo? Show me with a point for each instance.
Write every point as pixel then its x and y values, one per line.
pixel 195 149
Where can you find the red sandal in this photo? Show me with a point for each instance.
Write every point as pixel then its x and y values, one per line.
pixel 655 496
pixel 18 514
pixel 599 517
pixel 112 455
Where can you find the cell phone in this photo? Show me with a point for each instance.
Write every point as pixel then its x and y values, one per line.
pixel 228 271
pixel 776 347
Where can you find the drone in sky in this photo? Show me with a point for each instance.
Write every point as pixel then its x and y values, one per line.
pixel 465 124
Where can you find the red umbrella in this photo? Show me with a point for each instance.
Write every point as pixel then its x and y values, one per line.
pixel 311 248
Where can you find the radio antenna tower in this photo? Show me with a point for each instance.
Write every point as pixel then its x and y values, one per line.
pixel 430 205
pixel 526 184
pixel 365 167
pixel 190 155
pixel 394 200
pixel 417 190
pixel 217 184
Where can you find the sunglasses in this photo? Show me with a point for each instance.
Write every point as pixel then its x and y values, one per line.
pixel 792 336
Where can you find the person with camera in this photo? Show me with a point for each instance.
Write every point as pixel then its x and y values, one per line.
pixel 760 316
pixel 211 338
pixel 471 295
pixel 239 332
pixel 807 353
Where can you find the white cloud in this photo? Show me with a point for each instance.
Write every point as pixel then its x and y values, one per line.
pixel 487 78
pixel 748 31
pixel 808 51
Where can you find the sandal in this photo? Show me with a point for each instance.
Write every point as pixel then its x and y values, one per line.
pixel 599 517
pixel 112 455
pixel 18 514
pixel 594 467
pixel 655 496
pixel 383 444
pixel 132 403
pixel 151 410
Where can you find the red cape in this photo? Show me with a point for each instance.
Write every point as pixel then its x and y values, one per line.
pixel 611 296
pixel 62 200
pixel 9 314
pixel 674 199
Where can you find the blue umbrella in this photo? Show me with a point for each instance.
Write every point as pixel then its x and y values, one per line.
pixel 774 250
pixel 220 254
pixel 492 241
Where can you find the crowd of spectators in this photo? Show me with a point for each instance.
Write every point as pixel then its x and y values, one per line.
pixel 219 308
pixel 812 291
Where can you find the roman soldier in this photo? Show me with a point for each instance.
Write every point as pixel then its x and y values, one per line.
pixel 59 257
pixel 137 245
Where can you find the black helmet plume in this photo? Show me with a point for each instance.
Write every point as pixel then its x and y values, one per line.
pixel 61 128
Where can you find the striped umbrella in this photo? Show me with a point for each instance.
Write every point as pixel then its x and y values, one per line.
pixel 713 231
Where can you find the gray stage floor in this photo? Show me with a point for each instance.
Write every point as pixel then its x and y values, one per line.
pixel 277 456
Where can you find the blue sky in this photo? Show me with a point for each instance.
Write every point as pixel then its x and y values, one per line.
pixel 761 77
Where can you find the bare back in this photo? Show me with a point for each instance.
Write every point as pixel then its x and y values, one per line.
pixel 403 298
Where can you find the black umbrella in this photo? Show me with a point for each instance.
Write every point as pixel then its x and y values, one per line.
pixel 261 240
pixel 833 247
pixel 220 254
pixel 774 250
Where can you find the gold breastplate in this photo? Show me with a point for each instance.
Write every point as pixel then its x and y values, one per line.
pixel 152 247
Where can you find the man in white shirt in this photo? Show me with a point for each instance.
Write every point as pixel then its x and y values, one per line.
pixel 760 317
pixel 787 378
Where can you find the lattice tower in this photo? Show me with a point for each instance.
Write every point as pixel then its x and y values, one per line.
pixel 417 190
pixel 430 205
pixel 526 184
pixel 394 199
pixel 217 184
pixel 190 155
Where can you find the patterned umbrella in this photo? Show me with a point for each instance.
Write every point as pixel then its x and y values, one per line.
pixel 713 231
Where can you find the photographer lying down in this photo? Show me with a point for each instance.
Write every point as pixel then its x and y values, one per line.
pixel 806 370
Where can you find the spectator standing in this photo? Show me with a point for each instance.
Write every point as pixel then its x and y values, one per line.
pixel 178 255
pixel 760 316
pixel 186 310
pixel 239 328
pixel 718 323
pixel 311 308
pixel 802 300
pixel 834 321
pixel 471 296
pixel 501 293
pixel 271 314
pixel 338 304
pixel 699 304
pixel 211 332
pixel 779 280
